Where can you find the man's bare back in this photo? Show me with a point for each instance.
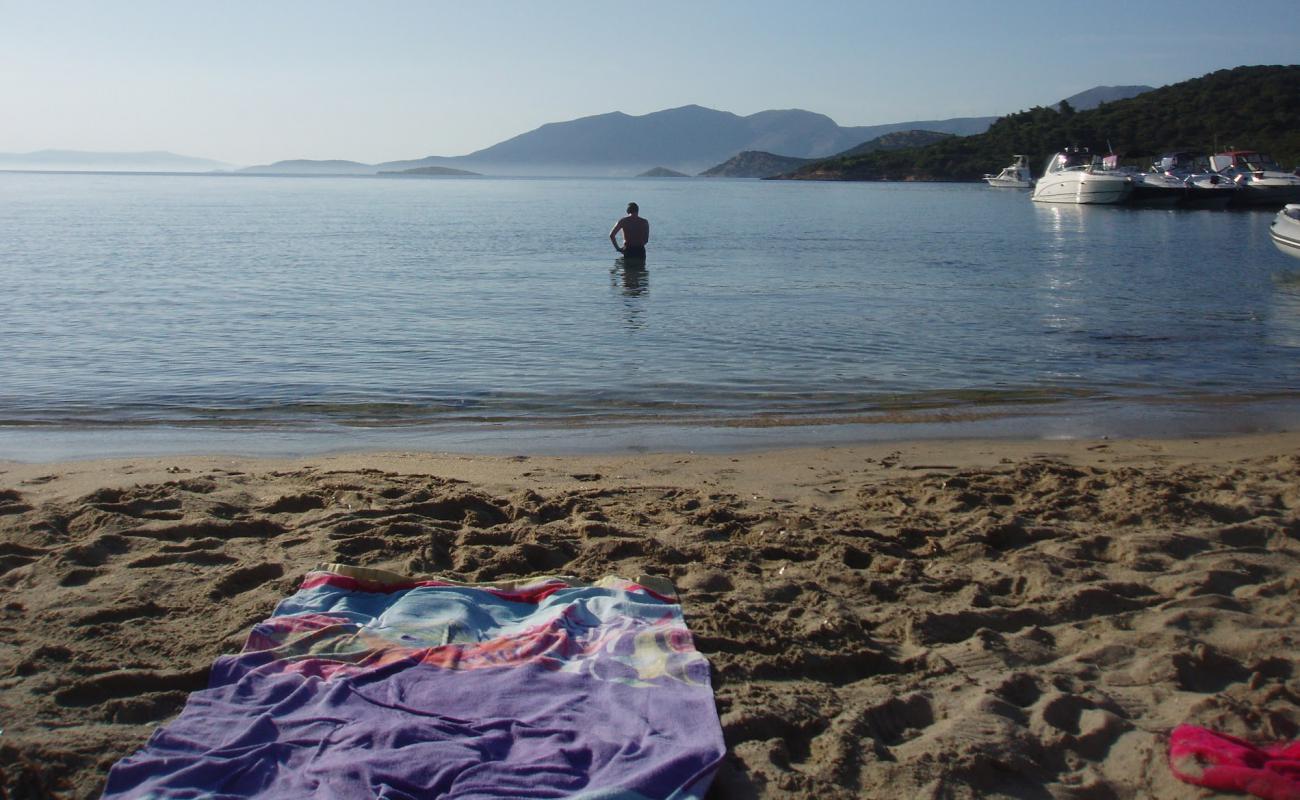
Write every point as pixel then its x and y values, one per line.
pixel 636 231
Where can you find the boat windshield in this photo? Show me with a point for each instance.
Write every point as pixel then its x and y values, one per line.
pixel 1255 161
pixel 1072 160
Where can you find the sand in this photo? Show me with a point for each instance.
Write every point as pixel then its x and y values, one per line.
pixel 931 619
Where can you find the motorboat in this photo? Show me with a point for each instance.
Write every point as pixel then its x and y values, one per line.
pixel 1149 188
pixel 1075 176
pixel 1205 188
pixel 1261 180
pixel 1016 176
pixel 1285 230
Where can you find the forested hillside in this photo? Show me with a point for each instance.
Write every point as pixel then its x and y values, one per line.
pixel 1255 108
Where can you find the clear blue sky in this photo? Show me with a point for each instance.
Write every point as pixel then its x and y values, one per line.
pixel 253 82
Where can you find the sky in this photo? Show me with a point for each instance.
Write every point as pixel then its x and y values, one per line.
pixel 255 82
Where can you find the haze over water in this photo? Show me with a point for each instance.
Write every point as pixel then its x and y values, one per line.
pixel 338 305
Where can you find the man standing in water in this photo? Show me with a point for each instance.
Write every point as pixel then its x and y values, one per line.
pixel 636 232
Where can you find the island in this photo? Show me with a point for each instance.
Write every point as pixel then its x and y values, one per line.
pixel 662 172
pixel 432 172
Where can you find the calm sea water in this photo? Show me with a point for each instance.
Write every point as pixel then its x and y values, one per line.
pixel 138 302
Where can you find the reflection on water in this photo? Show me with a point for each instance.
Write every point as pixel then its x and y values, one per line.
pixel 1284 317
pixel 632 280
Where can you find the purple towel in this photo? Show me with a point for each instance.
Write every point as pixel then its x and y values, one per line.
pixel 366 684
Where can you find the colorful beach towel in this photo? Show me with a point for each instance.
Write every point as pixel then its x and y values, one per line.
pixel 1226 763
pixel 367 684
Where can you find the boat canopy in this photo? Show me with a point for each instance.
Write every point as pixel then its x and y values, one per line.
pixel 1243 159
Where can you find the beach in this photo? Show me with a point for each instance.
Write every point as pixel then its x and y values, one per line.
pixel 918 619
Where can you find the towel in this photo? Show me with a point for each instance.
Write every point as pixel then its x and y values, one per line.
pixel 365 683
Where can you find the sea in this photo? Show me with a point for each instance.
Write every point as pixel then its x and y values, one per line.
pixel 157 314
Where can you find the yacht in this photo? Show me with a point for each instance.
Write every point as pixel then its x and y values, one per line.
pixel 1285 230
pixel 1072 176
pixel 1016 176
pixel 1149 188
pixel 1261 180
pixel 1205 188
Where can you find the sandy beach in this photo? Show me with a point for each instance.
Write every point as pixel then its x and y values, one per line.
pixel 942 619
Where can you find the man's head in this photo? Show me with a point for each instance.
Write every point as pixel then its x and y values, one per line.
pixel 632 208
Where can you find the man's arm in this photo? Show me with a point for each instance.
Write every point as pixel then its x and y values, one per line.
pixel 618 226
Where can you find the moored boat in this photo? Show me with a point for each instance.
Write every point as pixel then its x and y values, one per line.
pixel 1262 181
pixel 1073 176
pixel 1016 176
pixel 1205 188
pixel 1149 188
pixel 1285 230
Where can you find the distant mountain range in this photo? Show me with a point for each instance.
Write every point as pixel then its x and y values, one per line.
pixel 87 161
pixel 686 140
pixel 689 139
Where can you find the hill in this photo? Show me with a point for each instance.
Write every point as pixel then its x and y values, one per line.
pixel 435 172
pixel 758 164
pixel 662 172
pixel 899 140
pixel 92 161
pixel 1248 107
pixel 303 166
pixel 754 164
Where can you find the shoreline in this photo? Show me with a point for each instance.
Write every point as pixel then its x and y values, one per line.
pixel 993 618
pixel 1076 421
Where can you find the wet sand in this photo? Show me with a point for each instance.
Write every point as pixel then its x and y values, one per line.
pixel 932 619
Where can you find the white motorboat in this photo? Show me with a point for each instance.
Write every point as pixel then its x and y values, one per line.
pixel 1149 188
pixel 1073 176
pixel 1205 188
pixel 1262 181
pixel 1016 176
pixel 1285 230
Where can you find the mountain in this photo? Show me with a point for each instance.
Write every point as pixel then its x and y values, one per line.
pixel 754 164
pixel 303 166
pixel 1091 98
pixel 1248 107
pixel 91 161
pixel 687 139
pixel 662 172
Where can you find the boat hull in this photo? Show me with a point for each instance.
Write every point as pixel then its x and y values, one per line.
pixel 1285 230
pixel 1210 194
pixel 1156 196
pixel 1082 188
pixel 1008 183
pixel 1261 193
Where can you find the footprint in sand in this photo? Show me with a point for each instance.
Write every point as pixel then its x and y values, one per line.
pixel 245 579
